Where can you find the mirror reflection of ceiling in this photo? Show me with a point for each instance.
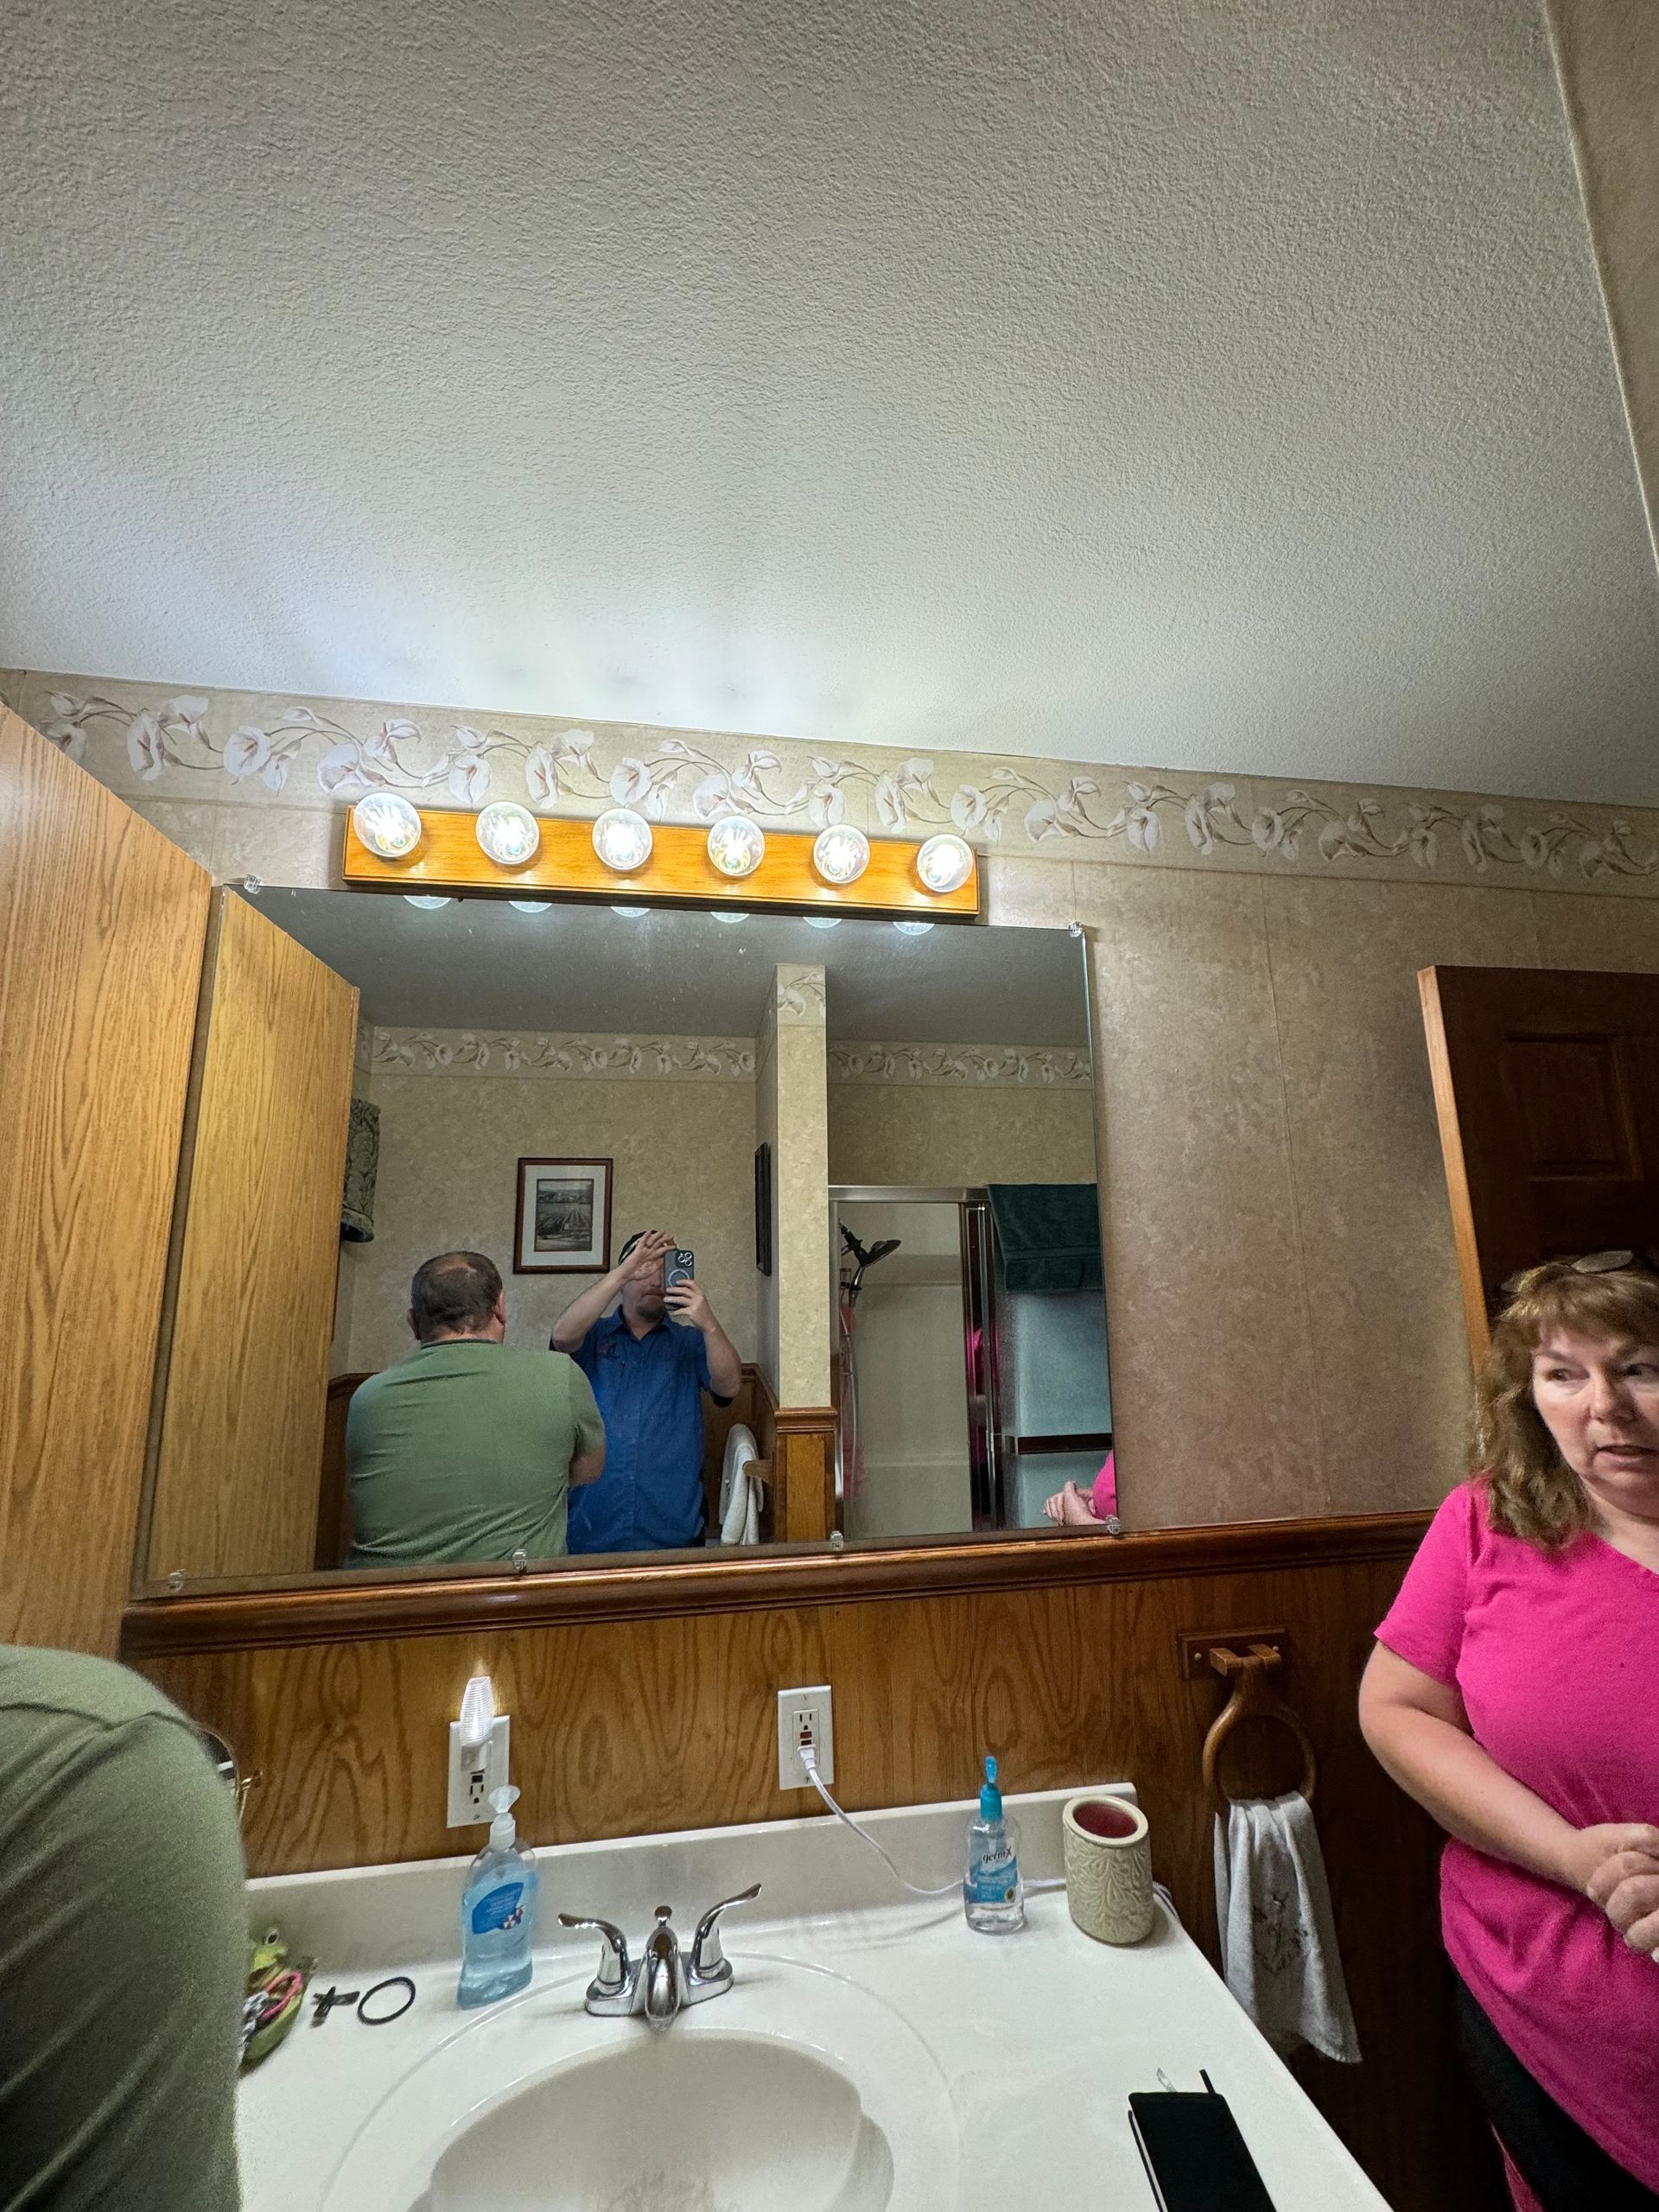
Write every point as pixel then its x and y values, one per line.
pixel 479 964
pixel 1194 383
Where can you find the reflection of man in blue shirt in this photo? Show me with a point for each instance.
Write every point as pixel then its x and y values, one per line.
pixel 649 1363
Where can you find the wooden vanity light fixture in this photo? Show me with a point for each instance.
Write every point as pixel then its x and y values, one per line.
pixel 677 870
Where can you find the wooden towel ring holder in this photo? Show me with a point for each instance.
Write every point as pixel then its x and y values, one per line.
pixel 1252 1700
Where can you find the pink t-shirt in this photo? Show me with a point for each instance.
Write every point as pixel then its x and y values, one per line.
pixel 1556 1656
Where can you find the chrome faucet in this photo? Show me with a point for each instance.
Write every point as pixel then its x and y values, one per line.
pixel 663 1978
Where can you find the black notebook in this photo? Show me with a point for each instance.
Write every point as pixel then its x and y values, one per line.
pixel 1195 2158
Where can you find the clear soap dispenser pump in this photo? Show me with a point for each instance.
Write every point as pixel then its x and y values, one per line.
pixel 993 1895
pixel 498 1911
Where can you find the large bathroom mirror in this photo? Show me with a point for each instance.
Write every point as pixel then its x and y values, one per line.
pixel 876 1141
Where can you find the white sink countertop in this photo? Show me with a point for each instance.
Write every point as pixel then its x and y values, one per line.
pixel 996 2068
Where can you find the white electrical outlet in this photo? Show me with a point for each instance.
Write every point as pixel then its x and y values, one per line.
pixel 809 1714
pixel 470 1784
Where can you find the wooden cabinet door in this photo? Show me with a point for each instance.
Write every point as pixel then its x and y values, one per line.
pixel 101 928
pixel 242 1390
pixel 1547 1086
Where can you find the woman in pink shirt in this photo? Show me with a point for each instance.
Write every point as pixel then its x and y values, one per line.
pixel 1514 1694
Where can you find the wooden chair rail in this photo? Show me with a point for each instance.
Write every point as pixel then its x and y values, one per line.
pixel 229 1619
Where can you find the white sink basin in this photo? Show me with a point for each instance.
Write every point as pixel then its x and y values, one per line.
pixel 672 2123
pixel 797 2091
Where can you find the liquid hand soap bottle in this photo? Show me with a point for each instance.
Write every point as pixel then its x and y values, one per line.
pixel 498 1911
pixel 992 1894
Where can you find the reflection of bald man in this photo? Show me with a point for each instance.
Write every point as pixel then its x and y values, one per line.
pixel 468 1449
pixel 648 1363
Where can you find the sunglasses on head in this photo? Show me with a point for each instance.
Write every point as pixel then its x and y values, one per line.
pixel 1590 1263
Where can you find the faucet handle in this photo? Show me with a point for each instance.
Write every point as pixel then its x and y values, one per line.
pixel 613 1968
pixel 708 1961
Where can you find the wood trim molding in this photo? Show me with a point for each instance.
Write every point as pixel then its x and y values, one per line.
pixel 803 1420
pixel 232 1620
pixel 678 873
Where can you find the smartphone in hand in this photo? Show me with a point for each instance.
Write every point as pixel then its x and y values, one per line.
pixel 682 1267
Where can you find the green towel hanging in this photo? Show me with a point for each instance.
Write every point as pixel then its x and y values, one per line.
pixel 1047 1235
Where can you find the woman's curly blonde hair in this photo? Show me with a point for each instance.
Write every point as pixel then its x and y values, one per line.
pixel 1532 1493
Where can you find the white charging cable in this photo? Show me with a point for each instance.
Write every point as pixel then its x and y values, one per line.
pixel 810 1761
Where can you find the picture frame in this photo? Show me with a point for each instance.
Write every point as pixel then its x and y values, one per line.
pixel 763 1208
pixel 561 1221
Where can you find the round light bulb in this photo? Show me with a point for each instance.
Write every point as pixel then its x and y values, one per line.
pixel 736 846
pixel 509 834
pixel 632 913
pixel 531 906
pixel 823 921
pixel 427 903
pixel 946 862
pixel 840 854
pixel 913 929
pixel 622 840
pixel 388 825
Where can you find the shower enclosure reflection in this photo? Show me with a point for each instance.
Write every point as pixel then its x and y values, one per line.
pixel 971 1375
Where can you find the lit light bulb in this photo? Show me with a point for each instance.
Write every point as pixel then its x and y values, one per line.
pixel 716 915
pixel 946 862
pixel 508 833
pixel 426 901
pixel 840 854
pixel 736 846
pixel 632 913
pixel 823 921
pixel 622 840
pixel 388 825
pixel 531 906
pixel 913 929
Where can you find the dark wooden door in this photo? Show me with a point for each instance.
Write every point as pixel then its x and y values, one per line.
pixel 1546 1085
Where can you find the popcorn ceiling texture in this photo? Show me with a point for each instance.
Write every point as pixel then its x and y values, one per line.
pixel 1187 381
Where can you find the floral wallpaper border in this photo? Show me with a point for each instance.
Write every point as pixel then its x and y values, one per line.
pixel 153 741
pixel 960 1067
pixel 802 1000
pixel 538 1052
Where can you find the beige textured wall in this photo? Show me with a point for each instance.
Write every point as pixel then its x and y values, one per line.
pixel 449 1149
pixel 1285 1325
pixel 800 1174
pixel 932 1132
pixel 1607 59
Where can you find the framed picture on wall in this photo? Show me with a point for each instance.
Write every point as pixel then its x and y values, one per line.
pixel 763 1208
pixel 562 1226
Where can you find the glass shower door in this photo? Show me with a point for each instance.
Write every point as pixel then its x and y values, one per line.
pixel 902 1385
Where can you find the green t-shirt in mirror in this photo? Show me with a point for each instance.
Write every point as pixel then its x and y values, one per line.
pixel 463 1452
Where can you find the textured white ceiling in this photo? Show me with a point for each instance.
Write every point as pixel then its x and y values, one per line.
pixel 1188 383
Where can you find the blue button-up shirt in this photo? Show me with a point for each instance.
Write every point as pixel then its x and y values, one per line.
pixel 650 1392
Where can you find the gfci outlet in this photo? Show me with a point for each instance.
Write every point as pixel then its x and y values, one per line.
pixel 807 1713
pixel 470 1784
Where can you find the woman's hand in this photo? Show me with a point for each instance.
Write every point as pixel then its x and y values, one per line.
pixel 1588 1851
pixel 1069 1508
pixel 1624 1881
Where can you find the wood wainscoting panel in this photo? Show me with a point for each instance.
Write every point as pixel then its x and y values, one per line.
pixel 630 1727
pixel 102 921
pixel 245 1345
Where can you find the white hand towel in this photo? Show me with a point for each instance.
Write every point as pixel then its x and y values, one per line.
pixel 1278 1938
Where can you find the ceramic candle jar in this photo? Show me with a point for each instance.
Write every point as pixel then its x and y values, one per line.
pixel 1108 1869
